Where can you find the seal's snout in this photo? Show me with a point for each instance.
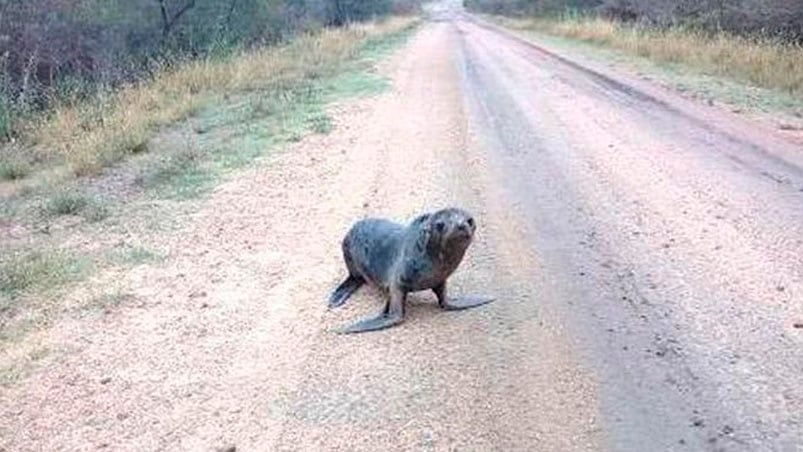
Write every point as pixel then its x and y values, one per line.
pixel 453 227
pixel 467 227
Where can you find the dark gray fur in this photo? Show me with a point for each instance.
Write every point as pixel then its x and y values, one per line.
pixel 401 259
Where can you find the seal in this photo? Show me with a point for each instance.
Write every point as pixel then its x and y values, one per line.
pixel 399 259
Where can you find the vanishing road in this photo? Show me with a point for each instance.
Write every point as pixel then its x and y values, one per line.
pixel 646 254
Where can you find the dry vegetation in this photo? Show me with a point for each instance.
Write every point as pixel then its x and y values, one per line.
pixel 57 228
pixel 83 82
pixel 760 61
pixel 100 132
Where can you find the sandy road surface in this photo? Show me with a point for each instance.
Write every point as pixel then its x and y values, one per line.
pixel 646 258
pixel 675 234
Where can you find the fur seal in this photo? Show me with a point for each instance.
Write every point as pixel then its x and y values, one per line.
pixel 401 259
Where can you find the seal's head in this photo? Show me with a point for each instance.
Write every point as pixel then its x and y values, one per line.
pixel 452 228
pixel 447 233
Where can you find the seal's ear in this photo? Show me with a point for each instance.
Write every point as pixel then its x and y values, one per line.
pixel 423 232
pixel 421 219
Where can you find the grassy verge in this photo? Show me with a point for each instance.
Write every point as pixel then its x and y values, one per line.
pixel 65 227
pixel 24 271
pixel 753 72
pixel 94 134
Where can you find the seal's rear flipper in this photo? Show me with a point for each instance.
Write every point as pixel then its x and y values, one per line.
pixel 376 323
pixel 457 304
pixel 344 291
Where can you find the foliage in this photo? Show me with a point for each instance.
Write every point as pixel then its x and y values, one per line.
pixel 55 52
pixel 759 61
pixel 781 19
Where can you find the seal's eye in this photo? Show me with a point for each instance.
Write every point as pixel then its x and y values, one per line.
pixel 470 222
pixel 440 226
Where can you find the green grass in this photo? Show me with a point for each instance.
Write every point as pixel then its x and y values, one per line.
pixel 132 255
pixel 108 301
pixel 24 271
pixel 16 371
pixel 14 169
pixel 176 175
pixel 356 83
pixel 66 203
pixel 222 138
pixel 70 202
pixel 10 375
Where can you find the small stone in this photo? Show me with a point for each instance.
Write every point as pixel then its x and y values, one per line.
pixel 798 325
pixel 105 380
pixel 229 448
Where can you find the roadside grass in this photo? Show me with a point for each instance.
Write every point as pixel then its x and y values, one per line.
pixel 763 62
pixel 132 255
pixel 755 75
pixel 70 202
pixel 96 134
pixel 15 371
pixel 108 301
pixel 23 271
pixel 110 159
pixel 13 169
pixel 222 138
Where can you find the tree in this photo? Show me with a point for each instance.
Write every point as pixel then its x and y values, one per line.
pixel 169 20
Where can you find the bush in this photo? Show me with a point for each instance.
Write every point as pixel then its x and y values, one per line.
pixel 57 52
pixel 72 203
pixel 22 271
pixel 13 169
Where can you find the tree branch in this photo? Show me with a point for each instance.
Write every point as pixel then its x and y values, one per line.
pixel 231 12
pixel 187 7
pixel 167 21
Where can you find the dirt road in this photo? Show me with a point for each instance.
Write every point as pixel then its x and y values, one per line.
pixel 646 253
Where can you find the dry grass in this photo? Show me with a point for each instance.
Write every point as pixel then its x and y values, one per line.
pixel 96 134
pixel 761 62
pixel 24 270
pixel 70 202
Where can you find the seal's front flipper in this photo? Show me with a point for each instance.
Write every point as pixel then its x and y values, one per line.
pixel 377 323
pixel 344 291
pixel 457 304
pixel 393 314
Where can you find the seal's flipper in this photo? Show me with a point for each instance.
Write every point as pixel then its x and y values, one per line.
pixel 377 323
pixel 457 304
pixel 344 291
pixel 392 314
